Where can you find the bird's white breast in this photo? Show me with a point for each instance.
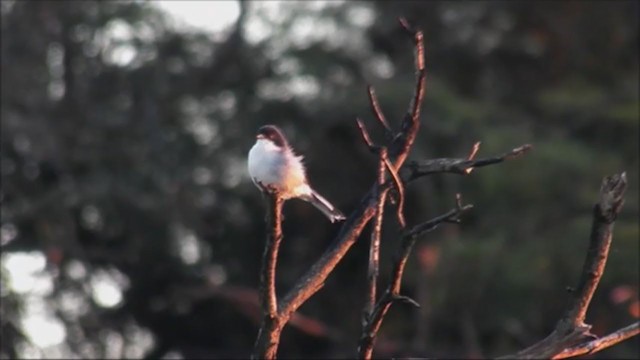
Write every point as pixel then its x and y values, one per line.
pixel 263 162
pixel 276 166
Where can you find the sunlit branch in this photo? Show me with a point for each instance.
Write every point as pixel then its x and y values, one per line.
pixel 377 110
pixel 604 342
pixel 571 328
pixel 267 342
pixel 418 169
pixel 392 293
pixel 374 246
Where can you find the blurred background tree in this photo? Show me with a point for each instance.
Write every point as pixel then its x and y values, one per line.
pixel 130 228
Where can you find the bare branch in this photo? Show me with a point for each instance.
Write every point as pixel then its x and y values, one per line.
pixel 472 155
pixel 418 39
pixel 402 142
pixel 374 246
pixel 604 342
pixel 377 110
pixel 405 299
pixel 450 216
pixel 270 256
pixel 604 213
pixel 571 329
pixel 365 136
pixel 313 279
pixel 267 341
pixel 369 334
pixel 266 346
pixel 405 25
pixel 418 169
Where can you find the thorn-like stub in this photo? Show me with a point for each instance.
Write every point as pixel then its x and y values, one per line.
pixel 458 201
pixel 405 299
pixel 405 25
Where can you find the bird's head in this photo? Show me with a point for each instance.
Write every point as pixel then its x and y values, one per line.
pixel 273 134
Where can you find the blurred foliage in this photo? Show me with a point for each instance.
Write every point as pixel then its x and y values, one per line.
pixel 130 226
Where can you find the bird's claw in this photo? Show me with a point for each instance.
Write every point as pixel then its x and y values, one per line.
pixel 271 189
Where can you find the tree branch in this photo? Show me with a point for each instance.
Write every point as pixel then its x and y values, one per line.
pixel 472 155
pixel 270 256
pixel 374 246
pixel 377 110
pixel 452 215
pixel 402 142
pixel 370 331
pixel 594 346
pixel 417 169
pixel 366 137
pixel 267 343
pixel 571 329
pixel 604 214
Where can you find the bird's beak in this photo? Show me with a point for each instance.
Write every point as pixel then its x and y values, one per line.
pixel 259 136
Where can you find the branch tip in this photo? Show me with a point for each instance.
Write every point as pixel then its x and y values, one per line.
pixel 520 150
pixel 472 155
pixel 405 25
pixel 377 110
pixel 458 166
pixel 405 299
pixel 365 136
pixel 612 194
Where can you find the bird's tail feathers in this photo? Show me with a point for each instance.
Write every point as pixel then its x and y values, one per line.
pixel 324 206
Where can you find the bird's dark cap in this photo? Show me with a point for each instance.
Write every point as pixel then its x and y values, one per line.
pixel 273 133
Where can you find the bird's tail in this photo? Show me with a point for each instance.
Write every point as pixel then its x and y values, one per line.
pixel 324 206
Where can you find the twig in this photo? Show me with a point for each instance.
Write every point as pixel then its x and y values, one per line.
pixel 369 334
pixel 417 38
pixel 377 110
pixel 571 329
pixel 418 169
pixel 472 155
pixel 399 148
pixel 374 246
pixel 604 342
pixel 430 225
pixel 384 157
pixel 366 137
pixel 266 345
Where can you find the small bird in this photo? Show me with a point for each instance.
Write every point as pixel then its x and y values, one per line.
pixel 273 164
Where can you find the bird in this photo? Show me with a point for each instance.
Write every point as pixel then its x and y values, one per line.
pixel 273 164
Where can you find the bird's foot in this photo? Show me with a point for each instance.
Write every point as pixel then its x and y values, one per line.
pixel 272 189
pixel 267 189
